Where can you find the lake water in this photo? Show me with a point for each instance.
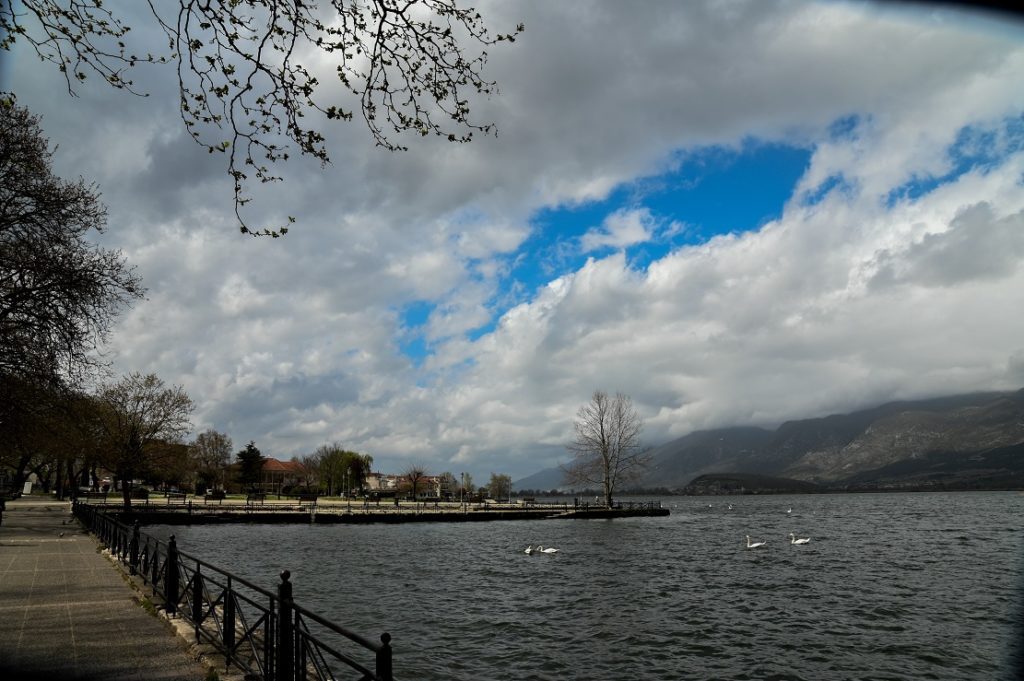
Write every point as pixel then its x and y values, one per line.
pixel 892 586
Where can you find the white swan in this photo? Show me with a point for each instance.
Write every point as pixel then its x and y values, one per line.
pixel 794 540
pixel 529 550
pixel 547 550
pixel 789 510
pixel 754 545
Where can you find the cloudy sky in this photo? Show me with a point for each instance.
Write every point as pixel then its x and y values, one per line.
pixel 735 212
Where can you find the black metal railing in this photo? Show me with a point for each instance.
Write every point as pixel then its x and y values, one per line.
pixel 258 631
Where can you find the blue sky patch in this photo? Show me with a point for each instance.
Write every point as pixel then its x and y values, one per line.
pixel 975 148
pixel 711 191
pixel 708 192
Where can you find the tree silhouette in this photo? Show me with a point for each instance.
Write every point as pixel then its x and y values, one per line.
pixel 59 293
pixel 250 469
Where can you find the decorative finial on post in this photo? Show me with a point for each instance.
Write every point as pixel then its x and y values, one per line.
pixel 384 658
pixel 285 630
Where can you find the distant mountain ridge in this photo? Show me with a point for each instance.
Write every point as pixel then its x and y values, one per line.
pixel 960 441
pixel 956 442
pixel 547 479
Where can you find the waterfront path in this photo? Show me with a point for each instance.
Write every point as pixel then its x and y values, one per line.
pixel 66 612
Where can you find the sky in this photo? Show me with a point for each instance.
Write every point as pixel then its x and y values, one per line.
pixel 736 213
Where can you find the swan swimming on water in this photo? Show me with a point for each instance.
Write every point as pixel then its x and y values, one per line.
pixel 754 545
pixel 547 550
pixel 529 550
pixel 794 540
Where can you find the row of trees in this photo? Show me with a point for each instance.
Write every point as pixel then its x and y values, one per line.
pixel 59 296
pixel 131 428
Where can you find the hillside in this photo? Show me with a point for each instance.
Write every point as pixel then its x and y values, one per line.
pixel 547 479
pixel 961 441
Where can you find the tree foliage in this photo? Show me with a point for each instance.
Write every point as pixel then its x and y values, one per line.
pixel 500 486
pixel 138 417
pixel 606 448
pixel 59 294
pixel 341 470
pixel 447 484
pixel 247 88
pixel 250 465
pixel 210 454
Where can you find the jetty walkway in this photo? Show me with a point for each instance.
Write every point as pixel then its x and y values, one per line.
pixel 175 510
pixel 66 612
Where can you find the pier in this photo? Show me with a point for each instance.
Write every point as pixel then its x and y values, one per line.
pixel 173 510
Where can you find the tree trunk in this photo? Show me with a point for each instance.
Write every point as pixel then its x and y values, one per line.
pixel 59 488
pixel 19 472
pixel 126 491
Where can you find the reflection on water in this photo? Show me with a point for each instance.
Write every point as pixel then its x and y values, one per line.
pixel 890 586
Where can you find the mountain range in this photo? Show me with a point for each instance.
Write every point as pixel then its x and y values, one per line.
pixel 957 442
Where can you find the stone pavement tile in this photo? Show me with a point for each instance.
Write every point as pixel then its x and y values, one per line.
pixel 66 613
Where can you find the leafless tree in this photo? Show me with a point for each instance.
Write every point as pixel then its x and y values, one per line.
pixel 310 466
pixel 413 476
pixel 139 416
pixel 244 90
pixel 211 453
pixel 606 450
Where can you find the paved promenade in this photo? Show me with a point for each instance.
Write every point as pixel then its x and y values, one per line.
pixel 67 613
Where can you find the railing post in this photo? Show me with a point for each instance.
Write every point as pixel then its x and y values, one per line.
pixel 285 661
pixel 197 599
pixel 384 658
pixel 155 562
pixel 171 578
pixel 229 620
pixel 133 549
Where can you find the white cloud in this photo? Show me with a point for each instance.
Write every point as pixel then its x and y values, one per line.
pixel 624 227
pixel 852 299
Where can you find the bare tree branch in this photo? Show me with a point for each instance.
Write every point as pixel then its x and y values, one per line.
pixel 606 449
pixel 244 89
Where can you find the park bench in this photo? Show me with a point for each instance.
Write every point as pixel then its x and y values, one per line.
pixel 214 495
pixel 255 498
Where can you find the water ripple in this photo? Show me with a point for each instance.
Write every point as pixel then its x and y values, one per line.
pixel 891 586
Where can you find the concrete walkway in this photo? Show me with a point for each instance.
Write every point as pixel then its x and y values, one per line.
pixel 67 613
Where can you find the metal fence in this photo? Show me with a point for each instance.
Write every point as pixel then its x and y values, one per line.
pixel 259 631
